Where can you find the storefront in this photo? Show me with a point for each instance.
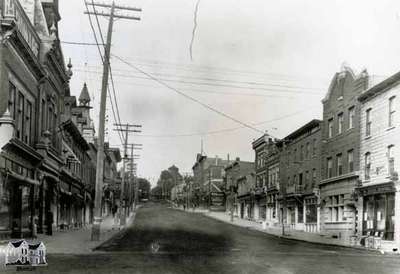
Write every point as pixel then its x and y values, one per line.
pixel 311 214
pixel 272 208
pixel 378 211
pixel 18 185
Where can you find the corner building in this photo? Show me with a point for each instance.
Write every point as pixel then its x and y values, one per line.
pixel 378 193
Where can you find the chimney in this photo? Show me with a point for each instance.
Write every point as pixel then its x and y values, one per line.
pixel 216 160
pixel 228 158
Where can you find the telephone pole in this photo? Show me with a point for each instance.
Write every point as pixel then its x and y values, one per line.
pixel 132 169
pixel 127 130
pixel 100 144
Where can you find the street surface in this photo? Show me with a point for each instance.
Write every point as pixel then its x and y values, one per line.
pixel 165 240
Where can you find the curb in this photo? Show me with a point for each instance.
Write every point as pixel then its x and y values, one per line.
pixel 302 240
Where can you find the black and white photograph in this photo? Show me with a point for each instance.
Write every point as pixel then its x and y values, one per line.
pixel 200 136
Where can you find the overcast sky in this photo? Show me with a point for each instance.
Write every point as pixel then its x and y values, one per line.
pixel 262 62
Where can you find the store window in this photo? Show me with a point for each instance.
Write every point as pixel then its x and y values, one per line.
pixel 378 215
pixel 311 210
pixel 4 206
pixel 335 207
pixel 300 214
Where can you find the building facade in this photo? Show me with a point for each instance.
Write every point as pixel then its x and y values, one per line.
pixel 300 164
pixel 208 174
pixel 378 192
pixel 260 147
pixel 340 154
pixel 239 175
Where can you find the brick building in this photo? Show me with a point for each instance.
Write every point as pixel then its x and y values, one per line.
pixel 300 164
pixel 379 196
pixel 239 177
pixel 340 153
pixel 267 170
pixel 208 176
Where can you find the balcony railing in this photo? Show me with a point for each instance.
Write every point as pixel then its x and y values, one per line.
pixel 13 13
pixel 294 189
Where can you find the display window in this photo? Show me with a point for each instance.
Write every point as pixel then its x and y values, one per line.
pixel 378 216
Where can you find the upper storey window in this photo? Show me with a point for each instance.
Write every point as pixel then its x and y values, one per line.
pixel 351 117
pixel 330 128
pixel 368 122
pixel 392 110
pixel 340 123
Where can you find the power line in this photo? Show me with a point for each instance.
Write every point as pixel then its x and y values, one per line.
pixel 227 80
pixel 189 97
pixel 207 68
pixel 213 132
pixel 216 84
pixel 292 96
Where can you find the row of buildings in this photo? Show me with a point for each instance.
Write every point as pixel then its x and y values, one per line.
pixel 48 147
pixel 337 177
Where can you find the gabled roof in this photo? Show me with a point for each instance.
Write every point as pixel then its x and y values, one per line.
pixel 34 246
pixel 17 244
pixel 345 70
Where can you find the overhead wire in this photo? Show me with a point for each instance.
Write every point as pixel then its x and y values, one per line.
pixel 284 90
pixel 189 97
pixel 213 132
pixel 279 85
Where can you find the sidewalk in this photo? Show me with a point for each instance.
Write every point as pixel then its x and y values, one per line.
pixel 75 242
pixel 317 238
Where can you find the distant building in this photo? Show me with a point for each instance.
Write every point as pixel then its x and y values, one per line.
pixel 208 176
pixel 239 175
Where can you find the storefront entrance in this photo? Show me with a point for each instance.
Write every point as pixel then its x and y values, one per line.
pixel 378 215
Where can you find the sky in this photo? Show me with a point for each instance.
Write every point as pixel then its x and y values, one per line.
pixel 263 63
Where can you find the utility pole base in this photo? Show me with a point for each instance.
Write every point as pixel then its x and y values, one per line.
pixel 96 229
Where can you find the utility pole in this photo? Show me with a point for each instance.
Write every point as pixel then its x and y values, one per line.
pixel 95 236
pixel 132 170
pixel 127 130
pixel 209 189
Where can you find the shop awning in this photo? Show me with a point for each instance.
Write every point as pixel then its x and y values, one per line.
pixel 21 178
